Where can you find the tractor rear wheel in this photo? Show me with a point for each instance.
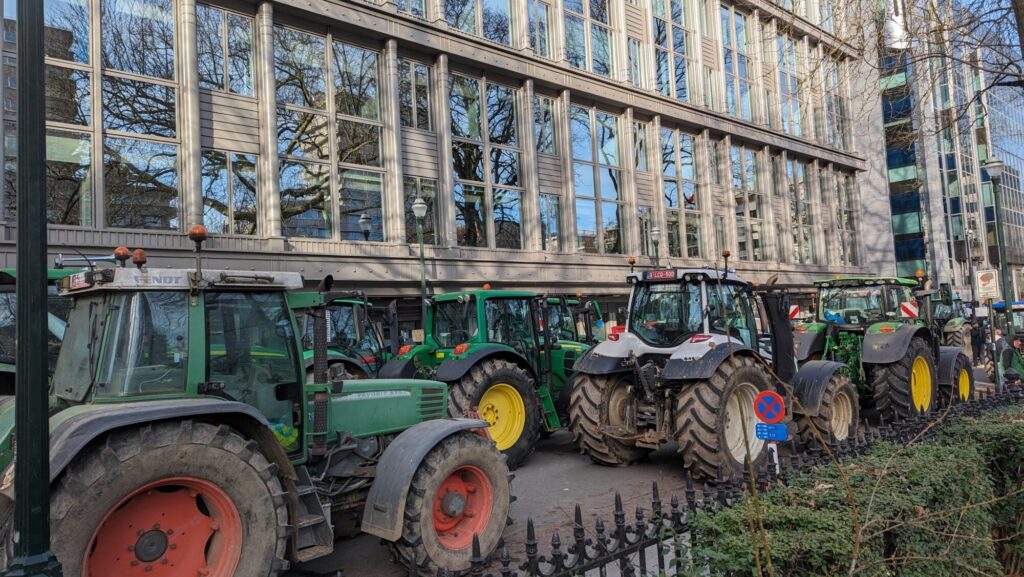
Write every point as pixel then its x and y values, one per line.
pixel 460 489
pixel 505 396
pixel 171 499
pixel 990 368
pixel 598 402
pixel 961 389
pixel 839 414
pixel 714 419
pixel 908 385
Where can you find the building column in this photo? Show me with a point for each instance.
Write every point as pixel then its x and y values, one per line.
pixel 191 147
pixel 658 218
pixel 567 212
pixel 528 168
pixel 270 197
pixel 444 204
pixel 394 190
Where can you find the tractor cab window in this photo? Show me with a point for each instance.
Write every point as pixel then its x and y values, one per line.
pixel 900 295
pixel 145 344
pixel 58 308
pixel 455 322
pixel 509 322
pixel 729 312
pixel 8 327
pixel 662 315
pixel 252 351
pixel 342 333
pixel 852 305
pixel 561 323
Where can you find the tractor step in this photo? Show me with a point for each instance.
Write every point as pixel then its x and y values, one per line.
pixel 314 535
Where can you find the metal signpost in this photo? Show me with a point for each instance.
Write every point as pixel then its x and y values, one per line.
pixel 770 409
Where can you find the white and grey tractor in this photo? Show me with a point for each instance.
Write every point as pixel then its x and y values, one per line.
pixel 697 348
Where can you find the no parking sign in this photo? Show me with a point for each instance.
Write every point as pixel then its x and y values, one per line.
pixel 770 407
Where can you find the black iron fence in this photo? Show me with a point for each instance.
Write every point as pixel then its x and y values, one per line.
pixel 657 541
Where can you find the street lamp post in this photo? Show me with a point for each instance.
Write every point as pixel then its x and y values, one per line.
pixel 419 209
pixel 995 167
pixel 655 239
pixel 364 224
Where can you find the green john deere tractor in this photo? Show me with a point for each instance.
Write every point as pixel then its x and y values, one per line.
pixel 186 440
pixel 57 315
pixel 950 322
pixel 354 336
pixel 500 360
pixel 880 329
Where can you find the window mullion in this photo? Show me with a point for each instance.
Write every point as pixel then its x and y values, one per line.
pixel 332 136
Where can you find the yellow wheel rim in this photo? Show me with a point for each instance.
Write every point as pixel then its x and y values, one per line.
pixel 921 385
pixel 964 385
pixel 502 406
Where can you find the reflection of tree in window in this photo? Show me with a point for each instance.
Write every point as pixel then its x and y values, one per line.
pixel 68 178
pixel 229 192
pixel 141 181
pixel 138 36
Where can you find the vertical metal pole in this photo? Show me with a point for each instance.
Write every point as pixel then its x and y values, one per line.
pixel 423 275
pixel 1004 267
pixel 32 555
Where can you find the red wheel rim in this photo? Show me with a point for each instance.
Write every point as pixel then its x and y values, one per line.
pixel 168 528
pixel 462 507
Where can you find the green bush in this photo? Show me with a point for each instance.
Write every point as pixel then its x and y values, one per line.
pixel 923 511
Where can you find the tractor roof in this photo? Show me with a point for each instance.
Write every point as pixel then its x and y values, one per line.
pixel 865 281
pixel 9 275
pixel 176 279
pixel 685 274
pixel 484 294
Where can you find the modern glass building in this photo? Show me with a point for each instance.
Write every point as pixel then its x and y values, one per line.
pixel 550 139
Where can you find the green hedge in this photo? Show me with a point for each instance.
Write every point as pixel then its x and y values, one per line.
pixel 924 511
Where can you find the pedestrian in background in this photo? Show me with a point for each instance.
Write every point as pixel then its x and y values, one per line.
pixel 978 342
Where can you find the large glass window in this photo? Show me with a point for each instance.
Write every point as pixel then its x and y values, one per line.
pixel 835 105
pixel 540 27
pixel 66 32
pixel 790 97
pixel 414 94
pixel 682 202
pixel 673 49
pixel 306 209
pixel 588 36
pixel 597 181
pixel 69 178
pixel 800 212
pixel 544 124
pixel 426 189
pixel 229 192
pixel 738 65
pixel 224 50
pixel 549 222
pixel 636 63
pixel 846 219
pixel 414 7
pixel 491 19
pixel 640 130
pixel 750 204
pixel 141 179
pixel 138 37
pixel 486 152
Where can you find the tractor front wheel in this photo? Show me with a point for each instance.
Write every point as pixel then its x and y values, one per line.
pixel 715 422
pixel 171 499
pixel 599 403
pixel 961 389
pixel 906 387
pixel 839 413
pixel 504 395
pixel 460 489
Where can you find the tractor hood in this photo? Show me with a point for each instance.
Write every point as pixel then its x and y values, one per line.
pixel 695 347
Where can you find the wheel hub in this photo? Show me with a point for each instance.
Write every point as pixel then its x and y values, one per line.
pixel 453 504
pixel 151 546
pixel 505 412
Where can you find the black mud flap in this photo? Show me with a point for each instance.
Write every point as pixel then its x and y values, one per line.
pixel 810 382
pixel 947 362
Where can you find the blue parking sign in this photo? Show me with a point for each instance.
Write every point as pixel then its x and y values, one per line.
pixel 767 432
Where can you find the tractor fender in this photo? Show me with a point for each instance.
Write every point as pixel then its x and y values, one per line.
pixel 809 384
pixel 677 369
pixel 954 325
pixel 808 343
pixel 947 360
pixel 885 348
pixel 593 362
pixel 71 436
pixel 397 368
pixel 452 370
pixel 333 358
pixel 385 504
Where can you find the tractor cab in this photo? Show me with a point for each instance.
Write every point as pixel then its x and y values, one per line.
pixel 355 338
pixel 1016 311
pixel 857 303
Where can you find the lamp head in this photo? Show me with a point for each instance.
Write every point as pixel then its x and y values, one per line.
pixel 419 207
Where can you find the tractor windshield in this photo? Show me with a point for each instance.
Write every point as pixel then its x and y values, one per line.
pixel 852 305
pixel 664 314
pixel 144 344
pixel 945 312
pixel 455 321
pixel 342 332
pixel 561 323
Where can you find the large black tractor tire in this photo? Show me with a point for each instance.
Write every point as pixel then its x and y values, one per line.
pixel 463 475
pixel 895 384
pixel 122 504
pixel 990 368
pixel 839 415
pixel 961 389
pixel 710 417
pixel 504 395
pixel 598 402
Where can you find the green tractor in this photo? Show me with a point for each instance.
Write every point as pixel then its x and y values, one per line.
pixel 501 361
pixel 893 352
pixel 186 440
pixel 56 321
pixel 355 339
pixel 950 321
